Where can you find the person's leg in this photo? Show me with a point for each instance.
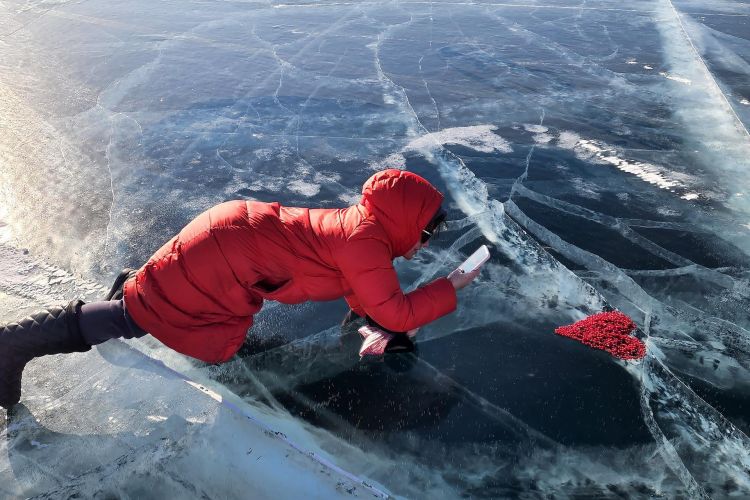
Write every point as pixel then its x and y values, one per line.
pixel 52 331
pixel 101 321
pixel 57 330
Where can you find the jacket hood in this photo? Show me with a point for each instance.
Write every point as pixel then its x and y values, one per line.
pixel 402 203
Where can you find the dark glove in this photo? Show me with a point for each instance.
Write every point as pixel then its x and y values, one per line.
pixel 374 323
pixel 399 343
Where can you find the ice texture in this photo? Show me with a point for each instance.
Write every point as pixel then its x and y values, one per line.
pixel 600 148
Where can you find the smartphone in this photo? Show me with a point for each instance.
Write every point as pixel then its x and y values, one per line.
pixel 476 259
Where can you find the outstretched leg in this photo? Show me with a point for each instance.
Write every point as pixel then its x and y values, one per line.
pixel 52 331
pixel 57 330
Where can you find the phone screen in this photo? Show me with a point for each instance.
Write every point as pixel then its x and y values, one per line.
pixel 476 259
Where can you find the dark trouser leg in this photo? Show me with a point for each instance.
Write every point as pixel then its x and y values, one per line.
pixel 52 331
pixel 101 321
pixel 61 330
pixel 57 330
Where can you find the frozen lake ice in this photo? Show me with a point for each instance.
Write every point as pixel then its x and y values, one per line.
pixel 601 148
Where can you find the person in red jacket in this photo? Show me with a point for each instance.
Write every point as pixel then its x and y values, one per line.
pixel 199 292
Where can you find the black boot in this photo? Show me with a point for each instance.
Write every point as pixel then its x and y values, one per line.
pixel 115 293
pixel 54 331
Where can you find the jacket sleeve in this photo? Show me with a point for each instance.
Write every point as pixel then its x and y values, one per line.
pixel 367 267
pixel 354 304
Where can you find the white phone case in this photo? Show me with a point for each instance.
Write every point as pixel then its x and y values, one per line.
pixel 476 259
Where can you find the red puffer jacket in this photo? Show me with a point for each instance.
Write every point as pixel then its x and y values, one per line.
pixel 198 293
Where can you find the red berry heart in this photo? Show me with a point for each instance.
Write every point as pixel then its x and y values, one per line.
pixel 608 331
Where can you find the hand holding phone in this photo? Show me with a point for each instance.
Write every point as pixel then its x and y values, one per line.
pixel 475 260
pixel 469 269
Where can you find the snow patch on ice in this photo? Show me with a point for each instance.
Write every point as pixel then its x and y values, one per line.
pixel 535 128
pixel 478 137
pixel 267 183
pixel 676 78
pixel 350 197
pixel 567 139
pixel 542 138
pixel 395 160
pixel 304 188
pixel 23 275
pixel 669 212
pixel 602 153
pixel 308 181
pixel 481 138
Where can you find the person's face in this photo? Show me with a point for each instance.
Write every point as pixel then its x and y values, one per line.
pixel 427 233
pixel 413 250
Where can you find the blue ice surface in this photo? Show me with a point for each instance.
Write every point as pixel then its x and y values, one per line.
pixel 601 148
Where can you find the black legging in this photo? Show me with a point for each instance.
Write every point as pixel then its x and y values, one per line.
pixel 101 321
